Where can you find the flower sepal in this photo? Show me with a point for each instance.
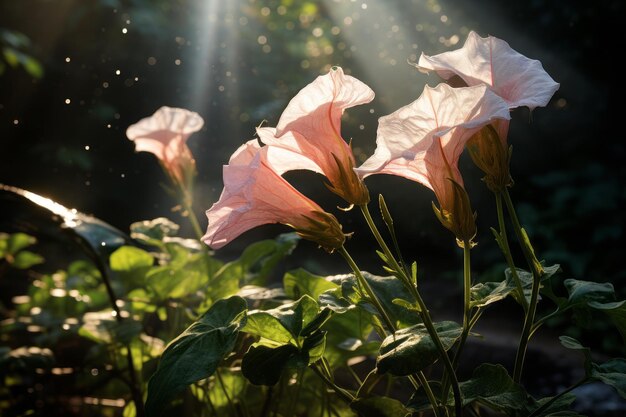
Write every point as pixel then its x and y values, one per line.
pixel 490 155
pixel 348 185
pixel 458 217
pixel 322 228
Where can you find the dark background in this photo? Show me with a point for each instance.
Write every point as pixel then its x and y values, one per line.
pixel 238 63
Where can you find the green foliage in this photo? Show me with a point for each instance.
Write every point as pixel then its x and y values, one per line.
pixel 16 52
pixel 612 372
pixel 290 338
pixel 412 349
pixel 492 386
pixel 379 407
pixel 197 352
pixel 12 250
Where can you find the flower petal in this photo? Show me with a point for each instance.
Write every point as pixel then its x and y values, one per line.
pixel 326 97
pixel 441 116
pixel 520 81
pixel 288 154
pixel 254 194
pixel 165 132
pixel 311 126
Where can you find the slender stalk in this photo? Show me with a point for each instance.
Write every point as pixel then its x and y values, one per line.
pixel 294 400
pixel 191 215
pixel 556 397
pixel 383 245
pixel 428 322
pixel 392 328
pixel 467 310
pixel 534 296
pixel 266 403
pixel 368 289
pixel 207 395
pixel 468 320
pixel 532 261
pixel 467 285
pixel 231 405
pixel 343 394
pixel 134 385
pixel 506 250
pixel 429 392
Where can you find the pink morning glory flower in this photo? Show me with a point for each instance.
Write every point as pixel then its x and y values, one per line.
pixel 424 140
pixel 165 134
pixel 519 80
pixel 311 126
pixel 255 194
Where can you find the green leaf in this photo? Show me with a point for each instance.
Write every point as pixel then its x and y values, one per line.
pixel 25 259
pixel 102 327
pixel 154 231
pixel 347 336
pixel 32 67
pixel 283 324
pixel 18 241
pixel 300 282
pixel 560 407
pixel 341 299
pixel 571 343
pixel 317 322
pixel 11 56
pixel 616 311
pixel 582 292
pixel 266 325
pixel 414 273
pixel 491 385
pixel 526 279
pixel 234 385
pixel 259 259
pixel 263 365
pixel 129 258
pixel 253 267
pixel 612 373
pixel 169 282
pixel 387 289
pixel 379 407
pixel 411 350
pixel 483 294
pixel 409 306
pixel 196 353
pixel 97 238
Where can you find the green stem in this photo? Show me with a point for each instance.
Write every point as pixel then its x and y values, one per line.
pixel 392 328
pixel 134 384
pixel 556 397
pixel 428 322
pixel 368 289
pixel 467 285
pixel 193 219
pixel 429 392
pixel 343 394
pixel 266 403
pixel 534 296
pixel 468 320
pixel 383 245
pixel 506 250
pixel 225 391
pixel 294 400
